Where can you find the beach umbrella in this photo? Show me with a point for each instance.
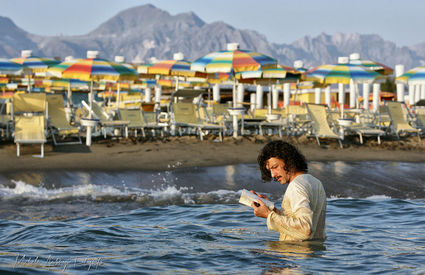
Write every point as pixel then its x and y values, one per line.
pixel 342 74
pixel 269 76
pixel 8 67
pixel 373 66
pixel 171 67
pixel 96 69
pixel 34 64
pixel 232 61
pixel 413 76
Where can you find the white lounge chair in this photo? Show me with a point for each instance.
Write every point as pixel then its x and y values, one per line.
pixel 184 116
pixel 58 124
pixel 399 125
pixel 138 121
pixel 29 118
pixel 320 125
pixel 106 121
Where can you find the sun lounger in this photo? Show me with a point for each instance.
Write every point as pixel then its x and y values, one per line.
pixel 420 119
pixel 57 122
pixel 5 118
pixel 137 121
pixel 399 125
pixel 363 129
pixel 106 121
pixel 320 125
pixel 29 118
pixel 184 117
pixel 298 121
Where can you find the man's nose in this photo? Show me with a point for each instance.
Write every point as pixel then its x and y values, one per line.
pixel 274 174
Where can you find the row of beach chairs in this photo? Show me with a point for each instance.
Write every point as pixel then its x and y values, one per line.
pixel 31 118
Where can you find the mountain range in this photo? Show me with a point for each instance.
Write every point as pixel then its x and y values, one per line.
pixel 143 32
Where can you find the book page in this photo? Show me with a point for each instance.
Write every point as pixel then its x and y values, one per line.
pixel 247 198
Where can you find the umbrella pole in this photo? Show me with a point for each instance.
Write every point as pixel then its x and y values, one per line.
pixel 269 100
pixel 118 95
pixel 209 96
pixel 88 132
pixel 29 83
pixel 235 117
pixel 69 95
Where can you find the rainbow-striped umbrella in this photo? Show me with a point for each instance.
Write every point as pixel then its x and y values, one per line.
pixel 373 66
pixel 94 69
pixel 36 64
pixel 171 67
pixel 57 70
pixel 233 61
pixel 341 73
pixel 414 76
pixel 8 67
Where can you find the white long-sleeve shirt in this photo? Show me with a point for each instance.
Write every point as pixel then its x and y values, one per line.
pixel 303 211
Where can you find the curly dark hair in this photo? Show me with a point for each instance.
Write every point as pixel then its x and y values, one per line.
pixel 289 154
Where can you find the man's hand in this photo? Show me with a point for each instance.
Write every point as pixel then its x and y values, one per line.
pixel 261 196
pixel 260 209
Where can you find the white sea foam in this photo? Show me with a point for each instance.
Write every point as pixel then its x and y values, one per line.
pixel 164 195
pixel 370 198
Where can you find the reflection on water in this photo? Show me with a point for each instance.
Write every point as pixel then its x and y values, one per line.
pixel 230 175
pixel 300 250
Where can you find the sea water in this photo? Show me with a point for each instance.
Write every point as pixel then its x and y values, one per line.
pixel 188 221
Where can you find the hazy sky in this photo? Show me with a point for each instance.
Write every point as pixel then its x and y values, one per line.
pixel 281 21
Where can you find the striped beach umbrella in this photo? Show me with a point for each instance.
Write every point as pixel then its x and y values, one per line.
pixel 36 64
pixel 57 70
pixel 171 67
pixel 233 61
pixel 373 66
pixel 341 73
pixel 280 73
pixel 95 69
pixel 8 67
pixel 413 76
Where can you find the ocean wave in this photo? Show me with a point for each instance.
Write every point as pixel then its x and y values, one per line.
pixel 165 195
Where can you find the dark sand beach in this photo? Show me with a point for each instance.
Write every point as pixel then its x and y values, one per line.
pixel 183 152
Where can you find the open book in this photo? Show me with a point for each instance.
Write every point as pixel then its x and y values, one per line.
pixel 247 198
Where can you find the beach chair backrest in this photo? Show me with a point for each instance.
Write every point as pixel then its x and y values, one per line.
pixel 99 112
pixel 29 103
pixel 185 113
pixel 134 116
pixel 150 117
pixel 220 109
pixel 397 116
pixel 260 113
pixel 29 129
pixel 57 114
pixel 297 110
pixel 203 114
pixel 318 116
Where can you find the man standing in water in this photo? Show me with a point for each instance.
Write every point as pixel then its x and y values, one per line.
pixel 303 211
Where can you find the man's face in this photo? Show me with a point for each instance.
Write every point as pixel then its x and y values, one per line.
pixel 277 170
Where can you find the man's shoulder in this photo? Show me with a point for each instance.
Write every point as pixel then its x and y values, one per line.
pixel 304 181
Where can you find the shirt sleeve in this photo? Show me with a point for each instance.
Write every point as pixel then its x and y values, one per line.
pixel 298 224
